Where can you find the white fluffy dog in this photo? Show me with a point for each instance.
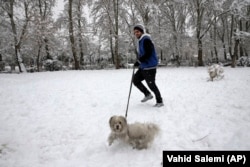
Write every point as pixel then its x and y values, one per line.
pixel 215 71
pixel 139 135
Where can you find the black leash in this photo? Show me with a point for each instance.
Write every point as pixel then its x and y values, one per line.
pixel 130 91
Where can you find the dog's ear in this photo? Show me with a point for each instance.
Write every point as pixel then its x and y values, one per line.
pixel 124 119
pixel 110 120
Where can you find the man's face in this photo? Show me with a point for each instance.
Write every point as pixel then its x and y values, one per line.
pixel 137 33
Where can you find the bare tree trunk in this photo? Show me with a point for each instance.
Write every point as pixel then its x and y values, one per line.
pixel 223 37
pixel 175 37
pixel 111 47
pixel 117 56
pixel 224 49
pixel 241 40
pixel 38 58
pixel 200 12
pixel 80 33
pixel 200 60
pixel 71 35
pixel 46 41
pixel 17 41
pixel 247 25
pixel 215 41
pixel 159 32
pixel 43 15
pixel 235 55
pixel 227 35
pixel 231 37
pixel 199 39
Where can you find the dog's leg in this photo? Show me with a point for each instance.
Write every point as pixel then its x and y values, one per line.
pixel 137 144
pixel 142 144
pixel 133 144
pixel 111 139
pixel 130 141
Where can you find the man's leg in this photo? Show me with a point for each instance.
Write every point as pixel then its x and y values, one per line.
pixel 137 80
pixel 149 76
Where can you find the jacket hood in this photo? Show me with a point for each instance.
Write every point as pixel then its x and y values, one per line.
pixel 145 35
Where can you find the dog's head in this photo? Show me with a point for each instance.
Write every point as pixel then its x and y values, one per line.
pixel 118 124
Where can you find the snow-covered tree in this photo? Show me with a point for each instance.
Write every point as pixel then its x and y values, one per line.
pixel 23 9
pixel 240 13
pixel 213 30
pixel 106 14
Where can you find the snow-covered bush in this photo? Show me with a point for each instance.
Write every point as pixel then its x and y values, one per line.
pixel 53 65
pixel 244 61
pixel 215 71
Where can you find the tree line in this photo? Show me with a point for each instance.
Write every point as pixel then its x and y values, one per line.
pixel 193 32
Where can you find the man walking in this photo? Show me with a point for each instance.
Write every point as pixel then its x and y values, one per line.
pixel 147 62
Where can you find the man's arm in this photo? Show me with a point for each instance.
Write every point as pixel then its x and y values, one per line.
pixel 148 48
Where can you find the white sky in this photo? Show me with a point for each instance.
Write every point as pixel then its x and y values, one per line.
pixel 58 8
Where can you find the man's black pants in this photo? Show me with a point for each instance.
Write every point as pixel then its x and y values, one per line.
pixel 149 77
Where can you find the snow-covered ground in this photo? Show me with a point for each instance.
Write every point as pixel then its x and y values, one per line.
pixel 60 119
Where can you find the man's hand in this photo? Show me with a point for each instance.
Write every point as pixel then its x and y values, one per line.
pixel 136 64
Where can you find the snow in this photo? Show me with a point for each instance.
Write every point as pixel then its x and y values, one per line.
pixel 60 119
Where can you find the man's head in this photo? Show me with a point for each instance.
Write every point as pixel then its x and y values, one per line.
pixel 138 30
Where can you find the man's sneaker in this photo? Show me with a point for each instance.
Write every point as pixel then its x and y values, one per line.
pixel 158 105
pixel 146 98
